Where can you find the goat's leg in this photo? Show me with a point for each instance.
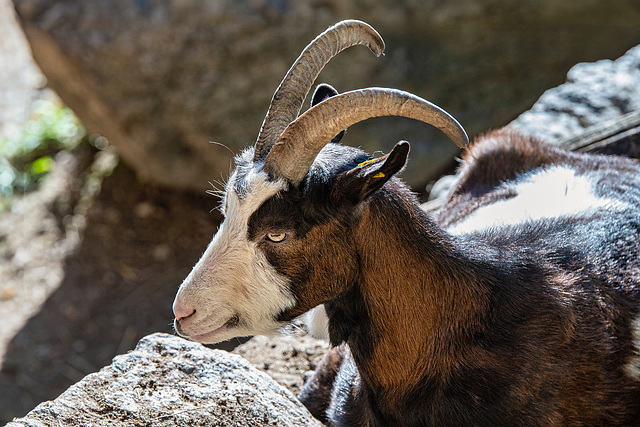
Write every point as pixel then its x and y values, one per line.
pixel 316 392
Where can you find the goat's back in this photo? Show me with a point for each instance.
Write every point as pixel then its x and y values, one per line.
pixel 508 179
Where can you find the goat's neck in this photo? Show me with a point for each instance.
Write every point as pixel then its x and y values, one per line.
pixel 415 301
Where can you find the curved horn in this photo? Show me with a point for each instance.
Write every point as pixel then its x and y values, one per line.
pixel 287 100
pixel 292 156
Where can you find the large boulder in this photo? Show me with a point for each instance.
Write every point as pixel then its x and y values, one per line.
pixel 594 93
pixel 168 381
pixel 162 78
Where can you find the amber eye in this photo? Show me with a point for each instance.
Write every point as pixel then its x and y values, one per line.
pixel 276 237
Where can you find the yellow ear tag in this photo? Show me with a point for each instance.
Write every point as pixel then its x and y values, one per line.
pixel 379 174
pixel 365 162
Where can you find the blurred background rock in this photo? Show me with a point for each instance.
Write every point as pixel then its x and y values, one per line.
pixel 161 78
pixel 91 254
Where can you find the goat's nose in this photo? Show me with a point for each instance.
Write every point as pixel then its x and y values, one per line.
pixel 183 311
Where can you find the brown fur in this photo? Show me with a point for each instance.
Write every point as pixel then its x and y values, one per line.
pixel 496 330
pixel 404 316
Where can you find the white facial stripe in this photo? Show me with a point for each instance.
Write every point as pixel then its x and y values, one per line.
pixel 632 368
pixel 233 276
pixel 553 193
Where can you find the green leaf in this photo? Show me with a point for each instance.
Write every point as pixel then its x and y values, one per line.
pixel 41 165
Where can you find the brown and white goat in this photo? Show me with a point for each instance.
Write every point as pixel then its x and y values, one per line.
pixel 518 305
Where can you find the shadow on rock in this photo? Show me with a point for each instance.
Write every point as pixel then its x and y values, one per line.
pixel 138 244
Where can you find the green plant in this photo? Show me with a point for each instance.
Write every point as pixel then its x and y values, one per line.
pixel 27 158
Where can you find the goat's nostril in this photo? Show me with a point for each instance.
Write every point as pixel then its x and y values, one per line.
pixel 181 318
pixel 183 313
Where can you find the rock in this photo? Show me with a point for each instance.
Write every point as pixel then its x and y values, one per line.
pixel 593 93
pixel 288 359
pixel 21 81
pixel 168 381
pixel 162 78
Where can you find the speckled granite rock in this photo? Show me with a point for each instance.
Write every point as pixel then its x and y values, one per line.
pixel 288 359
pixel 593 93
pixel 168 381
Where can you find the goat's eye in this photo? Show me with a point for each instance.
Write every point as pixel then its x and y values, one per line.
pixel 276 237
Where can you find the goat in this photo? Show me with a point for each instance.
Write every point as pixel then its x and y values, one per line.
pixel 517 305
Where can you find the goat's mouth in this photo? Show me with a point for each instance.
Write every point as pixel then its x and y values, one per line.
pixel 213 336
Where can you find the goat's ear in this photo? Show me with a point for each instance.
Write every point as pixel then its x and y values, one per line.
pixel 368 177
pixel 322 92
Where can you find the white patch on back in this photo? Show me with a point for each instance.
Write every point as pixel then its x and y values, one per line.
pixel 317 322
pixel 551 193
pixel 632 368
pixel 233 277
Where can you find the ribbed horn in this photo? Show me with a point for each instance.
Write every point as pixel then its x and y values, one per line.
pixel 294 152
pixel 288 98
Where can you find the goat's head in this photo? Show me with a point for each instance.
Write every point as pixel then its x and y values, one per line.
pixel 284 247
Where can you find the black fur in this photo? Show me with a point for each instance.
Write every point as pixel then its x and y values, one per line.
pixel 527 325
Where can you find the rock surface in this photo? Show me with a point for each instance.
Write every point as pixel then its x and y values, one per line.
pixel 593 93
pixel 168 381
pixel 162 78
pixel 288 359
